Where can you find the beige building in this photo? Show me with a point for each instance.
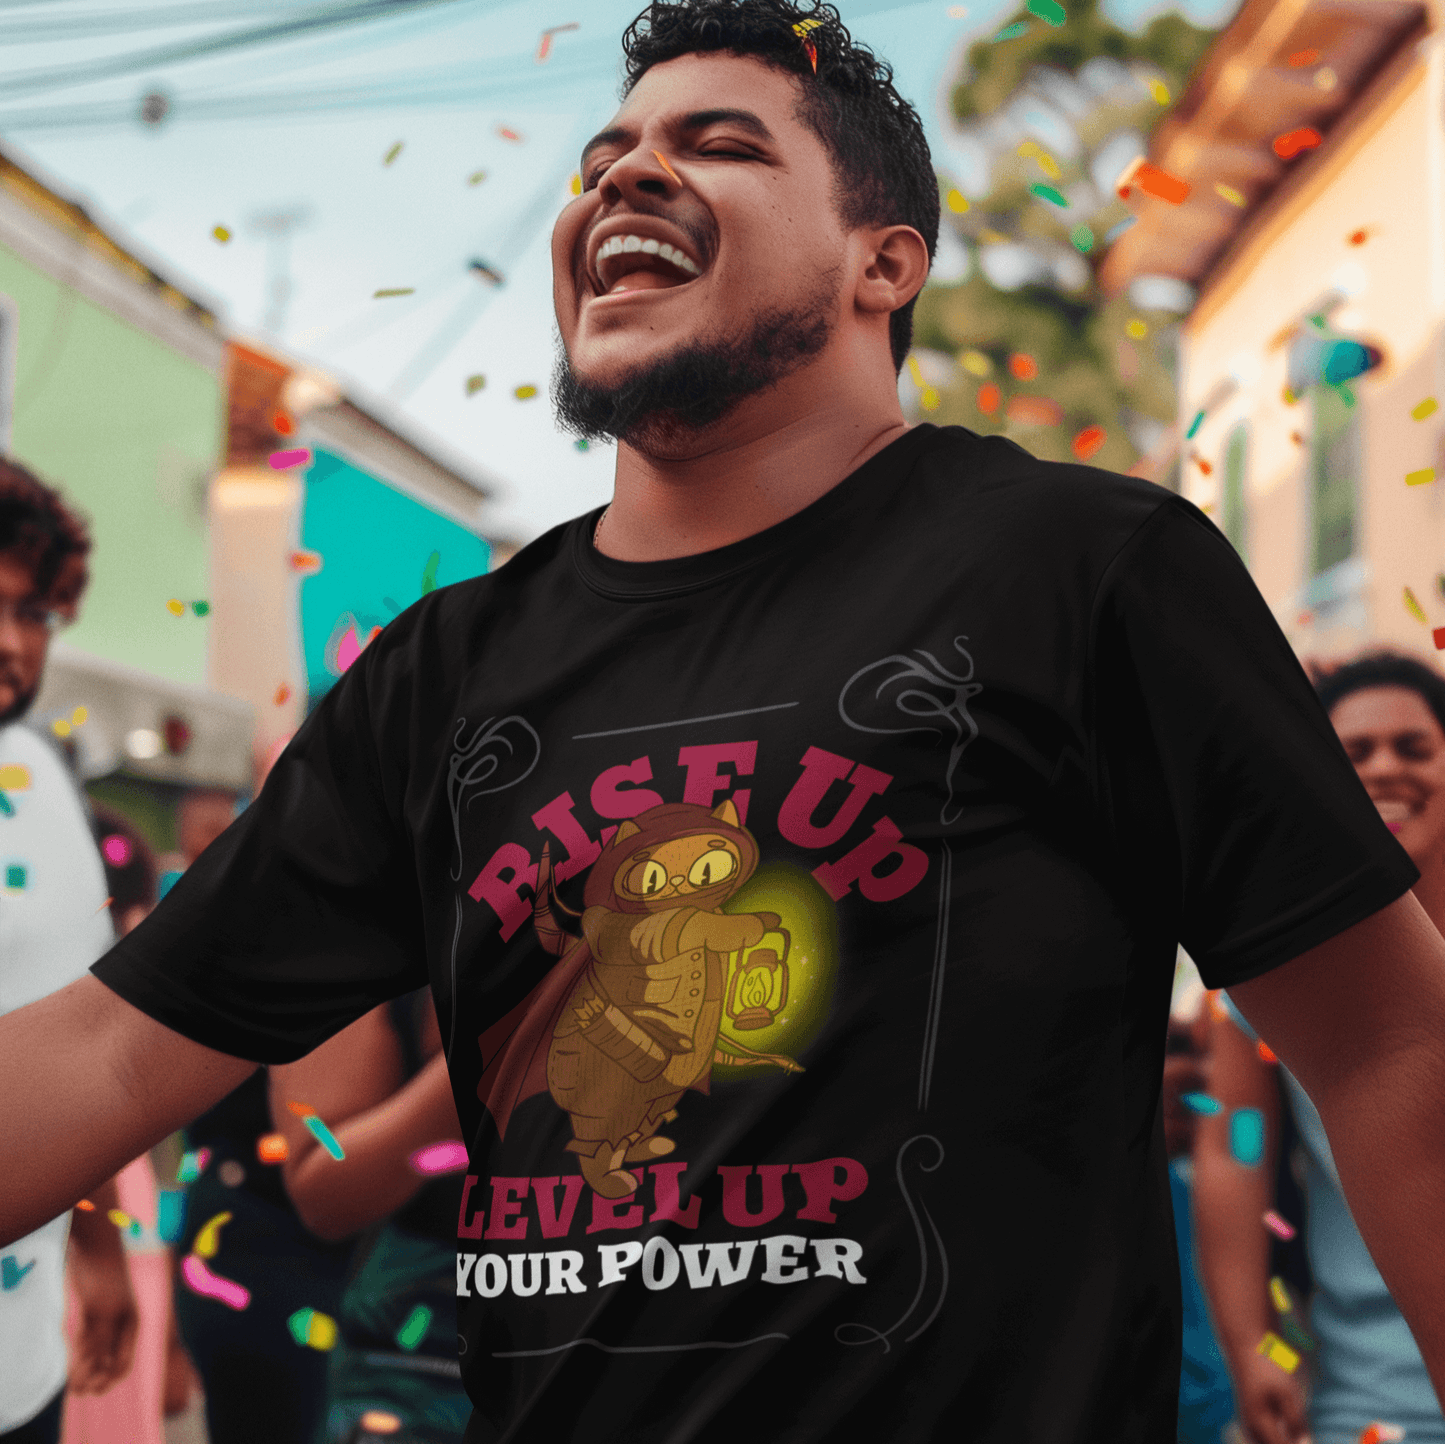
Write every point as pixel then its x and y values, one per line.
pixel 1343 239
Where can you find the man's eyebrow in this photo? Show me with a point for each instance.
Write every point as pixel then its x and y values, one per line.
pixel 696 120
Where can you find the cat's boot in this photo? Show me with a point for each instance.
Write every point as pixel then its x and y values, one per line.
pixel 645 1149
pixel 603 1169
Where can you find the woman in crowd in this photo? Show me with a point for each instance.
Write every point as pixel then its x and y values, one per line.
pixel 382 1087
pixel 1366 1370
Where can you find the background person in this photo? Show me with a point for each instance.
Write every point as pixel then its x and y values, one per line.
pixel 53 925
pixel 1389 712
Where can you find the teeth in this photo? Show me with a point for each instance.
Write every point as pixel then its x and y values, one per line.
pixel 632 243
pixel 627 245
pixel 1392 810
pixel 651 247
pixel 667 253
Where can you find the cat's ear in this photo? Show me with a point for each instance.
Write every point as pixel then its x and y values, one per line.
pixel 628 829
pixel 726 812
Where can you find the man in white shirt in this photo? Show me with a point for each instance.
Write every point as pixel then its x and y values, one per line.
pixel 53 924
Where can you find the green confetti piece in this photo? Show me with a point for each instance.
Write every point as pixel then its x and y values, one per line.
pixel 15 876
pixel 324 1136
pixel 582 444
pixel 1048 193
pixel 413 1331
pixel 201 609
pixel 1048 10
pixel 300 1325
pixel 429 573
pixel 1011 32
pixel 7 808
pixel 1194 426
pixel 1083 238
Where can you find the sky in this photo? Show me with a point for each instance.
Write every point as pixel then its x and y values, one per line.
pixel 291 144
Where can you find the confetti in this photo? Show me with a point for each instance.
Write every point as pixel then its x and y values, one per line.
pixel 306 562
pixel 117 849
pixel 1325 78
pixel 200 1280
pixel 1159 91
pixel 201 609
pixel 1266 1053
pixel 1378 1433
pixel 1302 58
pixel 804 26
pixel 1202 1103
pixel 1136 329
pixel 124 1222
pixel 1023 366
pixel 1228 193
pixel 393 291
pixel 1289 145
pixel 1088 441
pixel 811 51
pixel 662 159
pixel 231 1173
pixel 1358 238
pixel 221 234
pixel 1438 637
pixel 975 363
pixel 301 1110
pixel 525 393
pixel 103 906
pixel 1114 232
pixel 283 460
pixel 392 154
pixel 11 1273
pixel 193 1165
pixel 582 444
pixel 272 1148
pixel 60 727
pixel 176 607
pixel 1049 11
pixel 957 202
pixel 15 777
pixel 1428 407
pixel 1412 605
pixel 413 1331
pixel 1083 239
pixel 282 424
pixel 1048 193
pixel 429 573
pixel 283 695
pixel 989 397
pixel 446 1157
pixel 7 808
pixel 1012 32
pixel 208 1238
pixel 324 1136
pixel 85 1205
pixel 916 372
pixel 486 272
pixel 170 1214
pixel 507 133
pixel 378 1421
pixel 475 384
pixel 1280 1295
pixel 1246 1135
pixel 1278 1352
pixel 312 1327
pixel 478 176
pixel 15 875
pixel 931 399
pixel 575 185
pixel 1034 411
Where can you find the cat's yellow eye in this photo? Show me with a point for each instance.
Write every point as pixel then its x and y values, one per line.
pixel 712 867
pixel 650 877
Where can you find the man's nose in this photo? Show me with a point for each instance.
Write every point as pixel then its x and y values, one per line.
pixel 637 172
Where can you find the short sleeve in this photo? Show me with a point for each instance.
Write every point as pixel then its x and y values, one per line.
pixel 303 915
pixel 1233 810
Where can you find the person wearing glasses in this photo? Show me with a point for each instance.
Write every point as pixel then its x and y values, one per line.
pixel 53 925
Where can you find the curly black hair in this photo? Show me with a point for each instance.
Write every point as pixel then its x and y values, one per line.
pixel 882 171
pixel 49 539
pixel 1384 669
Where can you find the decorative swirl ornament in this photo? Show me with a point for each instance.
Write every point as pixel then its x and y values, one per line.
pixel 492 745
pixel 950 710
pixel 855 1334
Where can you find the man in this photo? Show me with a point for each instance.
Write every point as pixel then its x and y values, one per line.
pixel 986 738
pixel 53 925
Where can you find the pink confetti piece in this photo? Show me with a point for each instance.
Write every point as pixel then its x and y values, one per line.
pixel 200 1280
pixel 447 1157
pixel 296 456
pixel 1277 1225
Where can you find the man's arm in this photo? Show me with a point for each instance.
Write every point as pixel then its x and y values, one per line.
pixel 1360 1022
pixel 89 1083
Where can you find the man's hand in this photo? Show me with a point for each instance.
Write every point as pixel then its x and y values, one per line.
pixel 104 1344
pixel 1270 1402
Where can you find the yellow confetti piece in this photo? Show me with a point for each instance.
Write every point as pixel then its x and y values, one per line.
pixel 221 233
pixel 930 399
pixel 176 607
pixel 1278 1352
pixel 1280 1295
pixel 60 727
pixel 208 1240
pixel 1136 329
pixel 478 176
pixel 1412 605
pixel 957 202
pixel 1159 91
pixel 1049 165
pixel 1421 477
pixel 525 393
pixel 1029 148
pixel 77 718
pixel 392 154
pixel 916 372
pixel 975 363
pixel 1228 193
pixel 14 777
pixel 393 291
pixel 576 184
pixel 1428 407
pixel 803 26
pixel 119 1219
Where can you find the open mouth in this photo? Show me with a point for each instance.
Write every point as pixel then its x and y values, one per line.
pixel 1393 809
pixel 627 261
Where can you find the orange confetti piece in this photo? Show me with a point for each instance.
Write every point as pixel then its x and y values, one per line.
pixel 1302 58
pixel 1358 238
pixel 989 397
pixel 1289 145
pixel 86 1205
pixel 662 161
pixel 272 1148
pixel 811 51
pixel 1023 366
pixel 301 1110
pixel 283 693
pixel 1088 441
pixel 1152 181
pixel 1265 1053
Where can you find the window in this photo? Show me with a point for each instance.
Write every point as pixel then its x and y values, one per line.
pixel 1233 518
pixel 1334 469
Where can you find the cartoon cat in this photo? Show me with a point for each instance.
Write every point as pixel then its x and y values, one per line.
pixel 635 1004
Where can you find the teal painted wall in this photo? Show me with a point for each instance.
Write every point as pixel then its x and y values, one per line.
pixel 376 545
pixel 130 432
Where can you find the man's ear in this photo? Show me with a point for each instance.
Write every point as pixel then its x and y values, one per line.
pixel 897 267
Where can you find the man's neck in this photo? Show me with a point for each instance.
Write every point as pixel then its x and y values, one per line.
pixel 760 465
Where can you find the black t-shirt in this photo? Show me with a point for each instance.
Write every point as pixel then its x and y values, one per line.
pixel 805 912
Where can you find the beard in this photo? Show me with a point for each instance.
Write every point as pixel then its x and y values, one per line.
pixel 693 387
pixel 24 700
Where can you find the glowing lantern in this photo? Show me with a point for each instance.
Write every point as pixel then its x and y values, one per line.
pixel 759 990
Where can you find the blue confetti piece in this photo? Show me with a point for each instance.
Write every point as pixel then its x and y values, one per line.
pixel 1246 1135
pixel 1194 425
pixel 7 808
pixel 1011 32
pixel 1114 232
pixel 1202 1103
pixel 170 1214
pixel 324 1136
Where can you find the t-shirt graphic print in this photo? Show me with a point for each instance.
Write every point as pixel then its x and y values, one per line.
pixel 801 919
